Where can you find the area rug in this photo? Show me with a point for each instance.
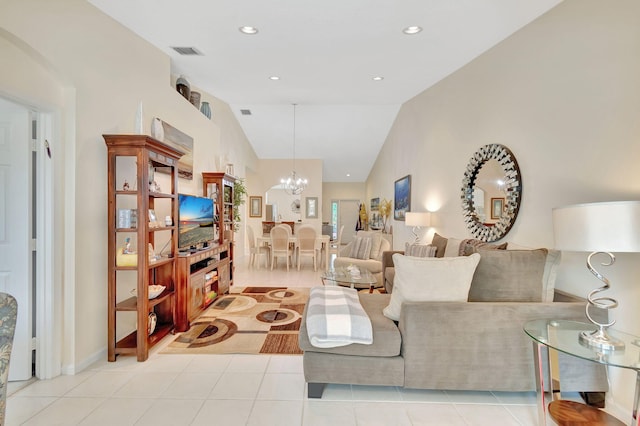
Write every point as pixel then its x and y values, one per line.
pixel 256 320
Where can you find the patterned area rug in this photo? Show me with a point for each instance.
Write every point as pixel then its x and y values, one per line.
pixel 257 320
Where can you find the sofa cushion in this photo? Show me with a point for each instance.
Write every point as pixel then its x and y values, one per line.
pixel 430 279
pixel 361 248
pixel 386 336
pixel 550 269
pixel 509 276
pixel 441 244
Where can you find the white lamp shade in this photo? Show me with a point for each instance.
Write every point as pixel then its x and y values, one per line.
pixel 608 226
pixel 417 219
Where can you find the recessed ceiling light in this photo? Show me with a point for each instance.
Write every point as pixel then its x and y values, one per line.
pixel 274 78
pixel 248 30
pixel 414 29
pixel 377 78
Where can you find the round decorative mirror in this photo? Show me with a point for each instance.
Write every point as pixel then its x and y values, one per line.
pixel 491 192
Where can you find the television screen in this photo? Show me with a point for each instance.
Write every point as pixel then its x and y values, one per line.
pixel 195 221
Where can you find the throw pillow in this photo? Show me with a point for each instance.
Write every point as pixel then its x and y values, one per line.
pixel 376 240
pixel 509 276
pixel 453 247
pixel 420 250
pixel 471 245
pixel 361 248
pixel 441 244
pixel 430 279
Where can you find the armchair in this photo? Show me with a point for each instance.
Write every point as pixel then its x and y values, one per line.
pixel 8 317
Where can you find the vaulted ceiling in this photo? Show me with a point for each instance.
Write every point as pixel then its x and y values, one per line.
pixel 325 56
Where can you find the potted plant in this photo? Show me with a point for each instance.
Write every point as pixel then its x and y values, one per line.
pixel 239 196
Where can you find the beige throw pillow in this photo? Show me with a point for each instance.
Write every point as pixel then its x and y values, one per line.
pixel 430 279
pixel 361 248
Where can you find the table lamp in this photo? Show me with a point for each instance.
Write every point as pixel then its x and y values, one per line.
pixel 417 220
pixel 599 228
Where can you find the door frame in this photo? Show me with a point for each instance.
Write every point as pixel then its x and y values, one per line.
pixel 48 330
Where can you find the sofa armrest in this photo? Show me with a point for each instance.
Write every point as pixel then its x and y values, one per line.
pixel 482 346
pixel 387 258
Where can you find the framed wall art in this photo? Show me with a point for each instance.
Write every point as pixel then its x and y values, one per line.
pixel 401 197
pixel 311 207
pixel 497 207
pixel 255 206
pixel 375 204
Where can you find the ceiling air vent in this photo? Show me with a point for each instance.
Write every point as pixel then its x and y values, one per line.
pixel 245 111
pixel 187 51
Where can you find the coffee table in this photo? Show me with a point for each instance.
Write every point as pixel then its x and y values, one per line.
pixel 343 277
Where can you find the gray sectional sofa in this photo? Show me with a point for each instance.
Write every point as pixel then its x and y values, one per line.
pixel 468 345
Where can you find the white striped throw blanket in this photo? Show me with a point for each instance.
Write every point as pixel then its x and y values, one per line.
pixel 335 318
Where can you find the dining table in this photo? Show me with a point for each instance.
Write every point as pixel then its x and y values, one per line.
pixel 322 242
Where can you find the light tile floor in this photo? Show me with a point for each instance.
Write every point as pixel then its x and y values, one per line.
pixel 245 390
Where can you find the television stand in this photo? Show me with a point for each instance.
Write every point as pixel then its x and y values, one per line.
pixel 201 277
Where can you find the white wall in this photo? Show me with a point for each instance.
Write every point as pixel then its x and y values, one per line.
pixel 110 70
pixel 564 95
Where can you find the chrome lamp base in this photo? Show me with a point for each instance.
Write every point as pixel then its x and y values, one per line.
pixel 600 340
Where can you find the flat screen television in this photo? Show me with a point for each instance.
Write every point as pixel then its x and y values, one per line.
pixel 195 221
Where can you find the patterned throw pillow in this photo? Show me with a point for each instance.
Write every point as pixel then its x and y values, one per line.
pixel 420 250
pixel 361 248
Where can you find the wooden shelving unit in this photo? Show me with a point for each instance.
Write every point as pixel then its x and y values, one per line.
pixel 134 159
pixel 220 187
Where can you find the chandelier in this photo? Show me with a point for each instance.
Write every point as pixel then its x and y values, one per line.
pixel 294 184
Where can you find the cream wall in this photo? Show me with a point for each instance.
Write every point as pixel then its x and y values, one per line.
pixel 564 95
pixel 109 70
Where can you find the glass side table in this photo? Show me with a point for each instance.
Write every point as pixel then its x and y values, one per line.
pixel 562 335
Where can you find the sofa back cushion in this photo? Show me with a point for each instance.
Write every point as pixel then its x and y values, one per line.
pixel 509 276
pixel 422 279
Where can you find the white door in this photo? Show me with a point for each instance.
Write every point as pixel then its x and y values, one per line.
pixel 348 214
pixel 15 235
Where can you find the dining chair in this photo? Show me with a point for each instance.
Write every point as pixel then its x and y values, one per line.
pixel 280 235
pixel 306 246
pixel 8 317
pixel 256 250
pixel 335 245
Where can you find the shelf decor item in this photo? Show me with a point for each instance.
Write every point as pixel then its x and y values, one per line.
pixel 206 109
pixel 183 87
pixel 194 98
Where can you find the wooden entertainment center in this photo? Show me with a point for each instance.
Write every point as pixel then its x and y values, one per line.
pixel 200 278
pixel 138 318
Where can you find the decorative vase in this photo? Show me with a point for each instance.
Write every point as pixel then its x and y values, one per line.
pixel 157 131
pixel 206 109
pixel 194 98
pixel 139 126
pixel 183 87
pixel 153 321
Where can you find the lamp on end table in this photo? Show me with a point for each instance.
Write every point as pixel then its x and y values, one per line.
pixel 417 220
pixel 599 228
